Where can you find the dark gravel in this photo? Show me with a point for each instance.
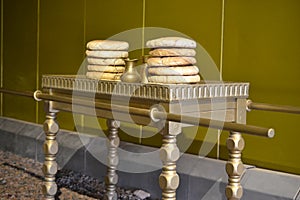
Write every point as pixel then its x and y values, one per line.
pixel 21 178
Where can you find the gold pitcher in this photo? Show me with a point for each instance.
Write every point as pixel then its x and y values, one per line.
pixel 130 75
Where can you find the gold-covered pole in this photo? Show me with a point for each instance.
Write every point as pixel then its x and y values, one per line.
pixel 243 128
pixel 16 92
pixel 50 147
pixel 250 105
pixel 234 166
pixel 229 126
pixel 269 107
pixel 113 142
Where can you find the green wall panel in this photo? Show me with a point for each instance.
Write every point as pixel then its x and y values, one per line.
pixel 61 42
pixel 107 18
pixel 19 56
pixel 17 107
pixel 199 19
pixel 61 36
pixel 262 46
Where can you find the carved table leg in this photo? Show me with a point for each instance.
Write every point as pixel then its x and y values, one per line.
pixel 113 160
pixel 234 166
pixel 169 154
pixel 50 150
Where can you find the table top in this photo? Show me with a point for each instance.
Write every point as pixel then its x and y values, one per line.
pixel 160 92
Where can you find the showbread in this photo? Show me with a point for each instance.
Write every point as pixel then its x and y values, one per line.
pixel 103 76
pixel 172 52
pixel 174 79
pixel 171 42
pixel 103 68
pixel 171 61
pixel 105 61
pixel 107 45
pixel 107 54
pixel 182 70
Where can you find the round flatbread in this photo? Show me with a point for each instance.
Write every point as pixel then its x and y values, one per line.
pixel 107 45
pixel 105 61
pixel 182 70
pixel 172 52
pixel 171 61
pixel 103 68
pixel 107 54
pixel 171 42
pixel 104 76
pixel 174 79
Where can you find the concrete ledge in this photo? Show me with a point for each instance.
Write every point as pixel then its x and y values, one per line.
pixel 201 178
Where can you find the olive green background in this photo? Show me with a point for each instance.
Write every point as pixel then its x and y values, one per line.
pixel 261 46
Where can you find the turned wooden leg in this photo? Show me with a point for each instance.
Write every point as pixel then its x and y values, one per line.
pixel 169 154
pixel 113 160
pixel 50 150
pixel 234 166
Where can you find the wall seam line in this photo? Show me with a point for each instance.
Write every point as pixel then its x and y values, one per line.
pixel 222 39
pixel 143 53
pixel 37 59
pixel 1 68
pixel 82 117
pixel 143 27
pixel 84 27
pixel 221 65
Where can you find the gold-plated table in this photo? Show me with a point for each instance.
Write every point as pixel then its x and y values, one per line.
pixel 223 101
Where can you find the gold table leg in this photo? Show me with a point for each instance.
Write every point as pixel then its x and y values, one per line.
pixel 169 154
pixel 234 167
pixel 50 150
pixel 112 177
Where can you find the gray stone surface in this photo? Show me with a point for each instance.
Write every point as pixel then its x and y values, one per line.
pixel 95 158
pixel 2 119
pixel 71 150
pixel 206 189
pixel 138 159
pixel 266 182
pixel 186 163
pixel 93 167
pixel 31 130
pixel 9 130
pixel 250 195
pixel 39 147
pixel 209 169
pixel 298 195
pixel 182 191
pixel 12 125
pixel 206 179
pixel 145 162
pixel 26 140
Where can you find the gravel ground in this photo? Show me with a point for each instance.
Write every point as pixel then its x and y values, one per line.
pixel 21 178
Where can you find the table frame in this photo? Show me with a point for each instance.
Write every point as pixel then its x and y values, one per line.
pixel 171 98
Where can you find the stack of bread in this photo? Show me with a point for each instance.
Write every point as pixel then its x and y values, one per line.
pixel 172 61
pixel 106 59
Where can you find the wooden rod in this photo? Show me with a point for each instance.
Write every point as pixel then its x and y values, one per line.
pixel 15 92
pixel 275 108
pixel 249 129
pixel 229 126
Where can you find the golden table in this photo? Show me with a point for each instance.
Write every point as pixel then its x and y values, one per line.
pixel 223 101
